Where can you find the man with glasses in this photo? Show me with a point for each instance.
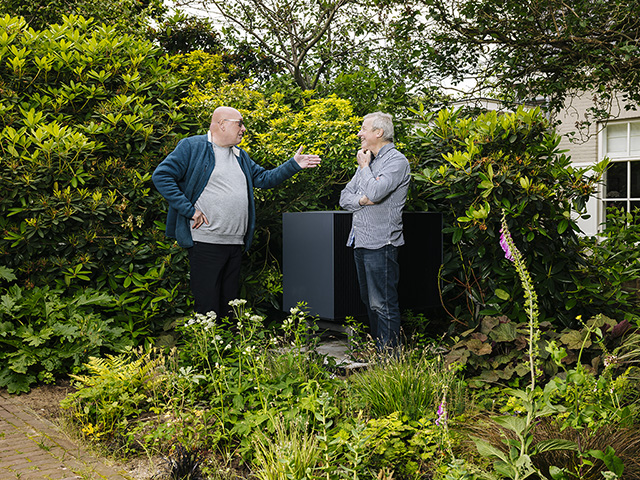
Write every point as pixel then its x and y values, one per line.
pixel 208 182
pixel 376 195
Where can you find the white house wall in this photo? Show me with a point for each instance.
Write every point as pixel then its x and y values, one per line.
pixel 585 146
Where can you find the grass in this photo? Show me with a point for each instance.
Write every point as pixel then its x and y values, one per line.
pixel 292 452
pixel 408 382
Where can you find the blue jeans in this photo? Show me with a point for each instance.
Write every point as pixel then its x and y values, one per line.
pixel 378 275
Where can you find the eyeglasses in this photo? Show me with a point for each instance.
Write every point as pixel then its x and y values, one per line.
pixel 240 122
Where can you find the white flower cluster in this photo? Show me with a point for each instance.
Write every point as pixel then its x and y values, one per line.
pixel 287 323
pixel 296 314
pixel 207 321
pixel 238 302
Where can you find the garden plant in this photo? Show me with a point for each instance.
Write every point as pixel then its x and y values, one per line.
pixel 527 369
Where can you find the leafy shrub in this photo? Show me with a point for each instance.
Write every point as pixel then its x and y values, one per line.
pixel 609 281
pixel 85 116
pixel 201 69
pixel 115 390
pixel 86 112
pixel 127 15
pixel 324 126
pixel 494 352
pixel 44 335
pixel 392 446
pixel 473 169
pixel 406 448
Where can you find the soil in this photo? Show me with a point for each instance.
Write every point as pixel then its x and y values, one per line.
pixel 45 401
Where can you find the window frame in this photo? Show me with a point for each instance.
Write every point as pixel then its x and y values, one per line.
pixel 628 157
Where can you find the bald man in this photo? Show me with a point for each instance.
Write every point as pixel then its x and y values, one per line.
pixel 208 182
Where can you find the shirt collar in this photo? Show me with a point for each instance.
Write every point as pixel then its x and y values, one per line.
pixel 384 149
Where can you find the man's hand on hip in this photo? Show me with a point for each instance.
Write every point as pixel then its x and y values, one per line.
pixel 198 219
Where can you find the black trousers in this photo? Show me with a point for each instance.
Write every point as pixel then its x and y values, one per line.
pixel 215 276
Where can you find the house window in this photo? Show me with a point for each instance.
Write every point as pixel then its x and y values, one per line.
pixel 621 143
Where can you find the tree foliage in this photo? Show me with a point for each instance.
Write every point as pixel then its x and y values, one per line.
pixel 181 33
pixel 85 116
pixel 305 36
pixel 357 49
pixel 548 48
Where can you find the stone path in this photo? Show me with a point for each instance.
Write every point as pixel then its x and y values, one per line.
pixel 32 447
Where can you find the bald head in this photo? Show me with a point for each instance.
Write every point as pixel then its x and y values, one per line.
pixel 221 113
pixel 226 127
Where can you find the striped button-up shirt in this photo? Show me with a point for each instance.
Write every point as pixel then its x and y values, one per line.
pixel 385 181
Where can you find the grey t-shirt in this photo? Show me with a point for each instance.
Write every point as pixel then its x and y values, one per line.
pixel 224 202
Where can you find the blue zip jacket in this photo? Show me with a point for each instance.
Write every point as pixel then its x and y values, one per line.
pixel 183 175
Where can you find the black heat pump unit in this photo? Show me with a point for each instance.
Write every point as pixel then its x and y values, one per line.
pixel 318 267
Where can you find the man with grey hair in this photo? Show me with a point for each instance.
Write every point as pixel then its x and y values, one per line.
pixel 208 182
pixel 376 196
